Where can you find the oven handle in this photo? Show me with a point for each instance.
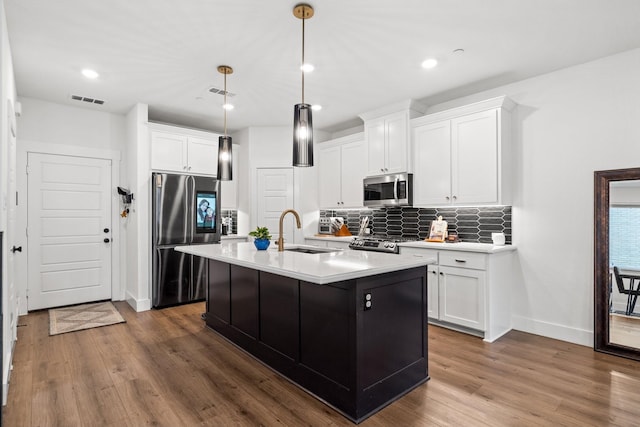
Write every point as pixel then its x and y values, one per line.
pixel 395 188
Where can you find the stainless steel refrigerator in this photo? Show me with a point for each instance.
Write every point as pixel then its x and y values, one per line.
pixel 185 211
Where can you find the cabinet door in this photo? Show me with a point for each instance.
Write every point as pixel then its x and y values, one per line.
pixel 474 170
pixel 329 186
pixel 432 164
pixel 432 291
pixel 229 189
pixel 203 156
pixel 397 143
pixel 461 295
pixel 245 300
pixel 168 152
pixel 219 292
pixel 353 171
pixel 375 136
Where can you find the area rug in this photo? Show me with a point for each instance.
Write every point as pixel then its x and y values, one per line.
pixel 84 316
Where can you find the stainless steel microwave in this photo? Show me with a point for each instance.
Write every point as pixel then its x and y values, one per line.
pixel 388 190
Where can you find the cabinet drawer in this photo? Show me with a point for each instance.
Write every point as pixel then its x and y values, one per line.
pixel 471 260
pixel 427 253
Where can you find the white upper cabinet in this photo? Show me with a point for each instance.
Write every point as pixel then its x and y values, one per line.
pixel 462 156
pixel 168 151
pixel 341 169
pixel 184 153
pixel 202 156
pixel 386 133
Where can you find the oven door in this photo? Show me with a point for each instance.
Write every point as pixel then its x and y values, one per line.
pixel 388 190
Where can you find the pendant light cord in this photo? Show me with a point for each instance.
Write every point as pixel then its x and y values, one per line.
pixel 302 66
pixel 225 104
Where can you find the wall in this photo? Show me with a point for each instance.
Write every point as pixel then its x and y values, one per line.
pixel 7 173
pixel 48 127
pixel 567 125
pixel 272 147
pixel 138 287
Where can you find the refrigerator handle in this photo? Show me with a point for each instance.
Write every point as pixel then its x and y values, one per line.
pixel 190 209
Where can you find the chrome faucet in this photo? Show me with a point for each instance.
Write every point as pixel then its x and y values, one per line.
pixel 280 239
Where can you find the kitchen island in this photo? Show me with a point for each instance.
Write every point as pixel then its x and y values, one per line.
pixel 347 326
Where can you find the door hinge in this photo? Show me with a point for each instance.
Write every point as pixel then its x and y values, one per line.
pixel 27 169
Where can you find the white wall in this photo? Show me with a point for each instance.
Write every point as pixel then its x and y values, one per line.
pixel 62 124
pixel 48 127
pixel 138 226
pixel 273 147
pixel 568 124
pixel 9 295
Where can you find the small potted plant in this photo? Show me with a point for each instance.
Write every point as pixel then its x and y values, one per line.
pixel 262 238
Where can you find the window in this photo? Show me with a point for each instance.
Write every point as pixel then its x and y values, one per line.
pixel 624 237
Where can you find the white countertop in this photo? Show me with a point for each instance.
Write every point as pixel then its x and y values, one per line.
pixel 323 268
pixel 486 248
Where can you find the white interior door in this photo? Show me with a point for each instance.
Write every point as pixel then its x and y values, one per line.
pixel 69 230
pixel 275 194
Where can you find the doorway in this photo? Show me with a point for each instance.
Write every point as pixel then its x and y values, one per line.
pixel 69 230
pixel 275 194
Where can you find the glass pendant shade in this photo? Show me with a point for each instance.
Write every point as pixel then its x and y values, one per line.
pixel 225 158
pixel 302 136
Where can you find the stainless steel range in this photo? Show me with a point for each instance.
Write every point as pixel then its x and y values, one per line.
pixel 388 244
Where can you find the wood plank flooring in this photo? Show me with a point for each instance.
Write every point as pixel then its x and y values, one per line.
pixel 165 368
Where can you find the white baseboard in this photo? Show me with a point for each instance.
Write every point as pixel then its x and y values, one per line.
pixel 553 330
pixel 138 305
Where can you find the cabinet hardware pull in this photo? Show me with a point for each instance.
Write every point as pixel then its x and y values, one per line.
pixel 461 260
pixel 441 273
pixel 455 197
pixel 447 197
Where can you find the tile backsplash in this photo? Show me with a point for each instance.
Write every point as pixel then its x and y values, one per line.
pixel 473 224
pixel 233 214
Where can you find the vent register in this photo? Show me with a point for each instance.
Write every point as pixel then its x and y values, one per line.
pixel 102 101
pixel 87 99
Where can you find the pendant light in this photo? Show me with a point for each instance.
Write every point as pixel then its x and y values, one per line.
pixel 225 150
pixel 302 124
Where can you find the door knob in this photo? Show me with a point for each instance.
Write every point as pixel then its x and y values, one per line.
pixel 106 230
pixel 106 240
pixel 16 249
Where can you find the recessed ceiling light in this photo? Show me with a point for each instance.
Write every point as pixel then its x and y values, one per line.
pixel 429 63
pixel 90 74
pixel 316 107
pixel 307 68
pixel 228 106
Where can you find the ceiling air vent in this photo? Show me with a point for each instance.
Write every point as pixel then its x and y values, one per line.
pixel 87 99
pixel 220 92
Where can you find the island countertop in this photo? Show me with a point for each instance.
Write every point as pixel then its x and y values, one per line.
pixel 323 268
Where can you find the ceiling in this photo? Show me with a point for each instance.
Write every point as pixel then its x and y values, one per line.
pixel 367 54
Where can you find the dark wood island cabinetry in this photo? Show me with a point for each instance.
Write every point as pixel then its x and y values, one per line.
pixel 324 337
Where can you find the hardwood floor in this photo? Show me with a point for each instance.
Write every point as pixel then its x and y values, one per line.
pixel 165 368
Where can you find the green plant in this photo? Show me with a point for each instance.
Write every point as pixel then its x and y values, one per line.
pixel 260 233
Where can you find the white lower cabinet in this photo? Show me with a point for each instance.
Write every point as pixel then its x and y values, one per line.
pixel 461 297
pixel 469 291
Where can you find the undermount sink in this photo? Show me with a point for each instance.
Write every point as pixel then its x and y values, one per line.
pixel 311 249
